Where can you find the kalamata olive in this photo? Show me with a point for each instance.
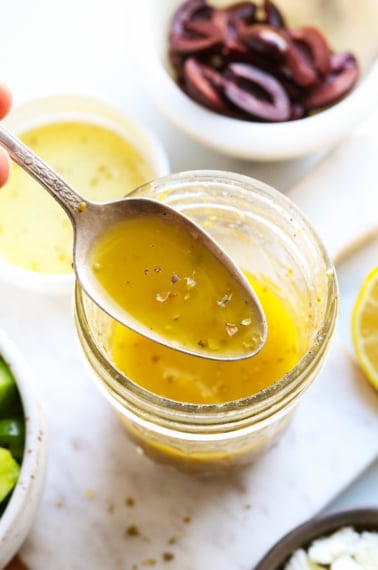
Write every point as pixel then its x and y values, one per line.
pixel 185 42
pixel 202 27
pixel 177 62
pixel 273 15
pixel 242 11
pixel 268 102
pixel 297 111
pixel 243 61
pixel 318 49
pixel 189 10
pixel 266 40
pixel 300 67
pixel 204 84
pixel 344 74
pixel 343 60
pixel 190 45
pixel 221 26
pixel 225 24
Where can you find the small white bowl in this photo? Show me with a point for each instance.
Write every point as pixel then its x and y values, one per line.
pixel 19 514
pixel 253 140
pixel 82 109
pixel 360 519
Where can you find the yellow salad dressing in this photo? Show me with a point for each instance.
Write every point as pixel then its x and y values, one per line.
pixel 35 233
pixel 190 379
pixel 170 283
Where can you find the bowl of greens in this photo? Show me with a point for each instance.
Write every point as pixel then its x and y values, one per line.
pixel 22 450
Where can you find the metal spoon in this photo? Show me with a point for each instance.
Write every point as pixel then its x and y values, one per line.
pixel 91 220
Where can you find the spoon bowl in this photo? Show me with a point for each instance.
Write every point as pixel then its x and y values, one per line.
pixel 237 326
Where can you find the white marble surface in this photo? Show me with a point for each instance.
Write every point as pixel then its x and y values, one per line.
pixel 324 449
pixel 92 47
pixel 94 469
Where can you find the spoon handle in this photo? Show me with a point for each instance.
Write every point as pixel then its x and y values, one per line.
pixel 70 200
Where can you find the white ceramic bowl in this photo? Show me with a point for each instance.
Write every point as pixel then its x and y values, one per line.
pixel 76 108
pixel 264 141
pixel 19 514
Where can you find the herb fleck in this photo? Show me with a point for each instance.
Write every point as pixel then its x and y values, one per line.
pixel 149 562
pixel 129 502
pixel 132 530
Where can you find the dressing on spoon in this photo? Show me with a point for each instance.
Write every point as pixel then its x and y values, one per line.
pixel 154 270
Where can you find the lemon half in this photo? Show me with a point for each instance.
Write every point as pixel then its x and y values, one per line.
pixel 364 327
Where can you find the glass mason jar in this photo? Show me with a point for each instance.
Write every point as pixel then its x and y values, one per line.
pixel 271 239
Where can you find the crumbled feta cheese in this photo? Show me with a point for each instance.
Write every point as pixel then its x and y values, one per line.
pixel 345 549
pixel 367 551
pixel 300 561
pixel 345 563
pixel 326 550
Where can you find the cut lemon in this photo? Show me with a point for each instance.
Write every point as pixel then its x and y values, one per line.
pixel 364 327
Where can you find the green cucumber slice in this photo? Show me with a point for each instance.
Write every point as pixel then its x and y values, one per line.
pixel 9 473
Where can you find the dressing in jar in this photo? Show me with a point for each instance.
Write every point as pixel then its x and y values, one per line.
pixel 201 415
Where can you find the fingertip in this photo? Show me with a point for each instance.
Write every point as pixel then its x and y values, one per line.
pixel 4 166
pixel 5 100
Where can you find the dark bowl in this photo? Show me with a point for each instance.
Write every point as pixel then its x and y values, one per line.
pixel 317 527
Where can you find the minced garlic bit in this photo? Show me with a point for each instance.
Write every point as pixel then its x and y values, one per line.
pixel 345 549
pixel 225 299
pixel 190 282
pixel 231 329
pixel 162 297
